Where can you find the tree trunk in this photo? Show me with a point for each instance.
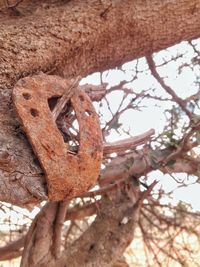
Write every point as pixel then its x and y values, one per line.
pixel 102 244
pixel 73 38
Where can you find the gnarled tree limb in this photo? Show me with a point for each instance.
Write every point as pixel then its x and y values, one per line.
pixel 74 38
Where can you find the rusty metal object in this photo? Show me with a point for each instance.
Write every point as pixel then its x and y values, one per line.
pixel 67 175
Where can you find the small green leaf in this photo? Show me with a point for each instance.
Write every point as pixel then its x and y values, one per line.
pixel 168 134
pixel 116 125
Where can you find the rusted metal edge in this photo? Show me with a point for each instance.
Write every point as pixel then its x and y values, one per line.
pixel 67 175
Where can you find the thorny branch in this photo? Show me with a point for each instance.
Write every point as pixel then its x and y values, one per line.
pixel 167 88
pixel 134 159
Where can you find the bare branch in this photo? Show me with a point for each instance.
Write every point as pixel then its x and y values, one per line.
pixel 167 88
pixel 12 250
pixel 127 144
pixel 65 98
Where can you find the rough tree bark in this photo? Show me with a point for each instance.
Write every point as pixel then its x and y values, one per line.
pixel 74 38
pixel 100 245
pixel 71 38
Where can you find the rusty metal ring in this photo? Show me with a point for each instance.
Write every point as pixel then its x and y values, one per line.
pixel 67 175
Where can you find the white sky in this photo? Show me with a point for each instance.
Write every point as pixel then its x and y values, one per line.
pixel 152 115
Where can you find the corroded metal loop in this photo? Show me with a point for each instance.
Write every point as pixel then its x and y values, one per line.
pixel 67 175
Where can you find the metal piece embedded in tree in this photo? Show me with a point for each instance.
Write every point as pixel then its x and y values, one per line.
pixel 67 174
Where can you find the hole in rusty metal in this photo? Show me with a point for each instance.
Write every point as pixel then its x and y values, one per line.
pixel 81 98
pixel 53 101
pixel 92 246
pixel 26 96
pixel 34 112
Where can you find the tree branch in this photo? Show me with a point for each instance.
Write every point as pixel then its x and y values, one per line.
pixel 69 47
pixel 60 218
pixel 127 144
pixel 167 88
pixel 12 250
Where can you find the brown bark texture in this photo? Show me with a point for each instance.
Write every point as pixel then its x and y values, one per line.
pixel 101 245
pixel 73 38
pixel 70 39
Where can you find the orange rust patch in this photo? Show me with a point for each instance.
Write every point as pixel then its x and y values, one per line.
pixel 67 175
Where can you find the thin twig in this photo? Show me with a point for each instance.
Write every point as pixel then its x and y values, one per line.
pixel 167 88
pixel 65 98
pixel 145 194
